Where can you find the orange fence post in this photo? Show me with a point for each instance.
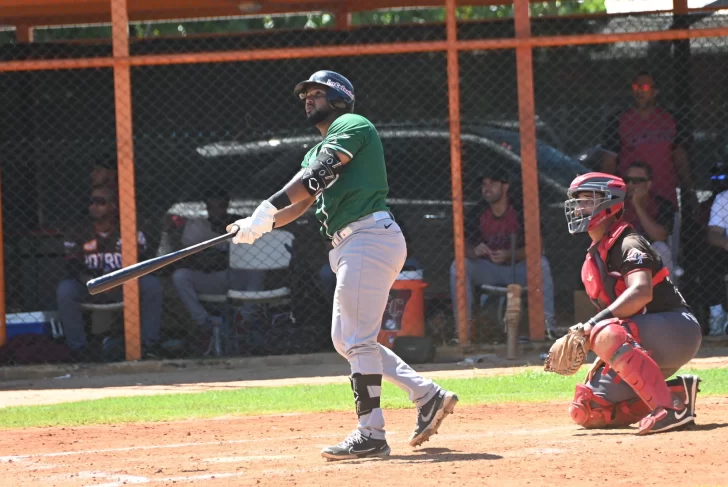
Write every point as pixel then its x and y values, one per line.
pixel 453 90
pixel 343 19
pixel 3 321
pixel 23 33
pixel 125 157
pixel 529 168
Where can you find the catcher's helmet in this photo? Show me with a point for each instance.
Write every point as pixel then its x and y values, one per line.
pixel 340 90
pixel 609 202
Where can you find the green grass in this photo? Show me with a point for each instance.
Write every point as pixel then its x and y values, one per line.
pixel 521 387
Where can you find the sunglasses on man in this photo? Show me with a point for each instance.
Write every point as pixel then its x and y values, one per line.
pixel 635 180
pixel 646 87
pixel 98 200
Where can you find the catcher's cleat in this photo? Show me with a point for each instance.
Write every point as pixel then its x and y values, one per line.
pixel 662 419
pixel 431 415
pixel 690 384
pixel 356 445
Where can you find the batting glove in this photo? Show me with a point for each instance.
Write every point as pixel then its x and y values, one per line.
pixel 263 218
pixel 244 235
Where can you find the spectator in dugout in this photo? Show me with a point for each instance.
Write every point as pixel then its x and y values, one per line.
pixel 649 134
pixel 718 239
pixel 651 215
pixel 93 249
pixel 208 272
pixel 704 259
pixel 488 233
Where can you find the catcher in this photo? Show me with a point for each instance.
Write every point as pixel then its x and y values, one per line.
pixel 643 332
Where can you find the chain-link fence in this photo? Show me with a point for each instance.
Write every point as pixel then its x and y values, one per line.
pixel 212 139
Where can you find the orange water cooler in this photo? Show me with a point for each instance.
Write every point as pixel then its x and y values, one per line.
pixel 405 311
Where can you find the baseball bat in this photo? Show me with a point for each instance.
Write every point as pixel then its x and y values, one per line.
pixel 119 277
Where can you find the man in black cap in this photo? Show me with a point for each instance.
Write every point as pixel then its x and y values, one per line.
pixel 104 173
pixel 488 247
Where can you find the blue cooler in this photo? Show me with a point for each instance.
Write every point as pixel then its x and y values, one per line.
pixel 38 322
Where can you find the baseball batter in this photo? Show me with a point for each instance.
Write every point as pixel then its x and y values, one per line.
pixel 345 175
pixel 643 332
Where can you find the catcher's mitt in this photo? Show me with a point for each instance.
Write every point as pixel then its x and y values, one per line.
pixel 568 353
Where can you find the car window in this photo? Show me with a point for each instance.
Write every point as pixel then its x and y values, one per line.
pixel 418 163
pixel 418 168
pixel 550 160
pixel 260 168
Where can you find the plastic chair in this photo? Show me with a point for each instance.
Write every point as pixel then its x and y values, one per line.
pixel 270 252
pixel 100 313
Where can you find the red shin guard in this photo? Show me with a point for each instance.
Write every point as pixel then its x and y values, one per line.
pixel 613 344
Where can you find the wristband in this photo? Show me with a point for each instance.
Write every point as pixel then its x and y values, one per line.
pixel 280 200
pixel 604 314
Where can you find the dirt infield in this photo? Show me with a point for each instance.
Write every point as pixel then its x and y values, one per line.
pixel 520 445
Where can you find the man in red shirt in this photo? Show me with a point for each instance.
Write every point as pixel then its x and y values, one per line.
pixel 488 248
pixel 651 135
pixel 652 216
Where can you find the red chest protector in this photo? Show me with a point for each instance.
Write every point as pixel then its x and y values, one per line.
pixel 601 286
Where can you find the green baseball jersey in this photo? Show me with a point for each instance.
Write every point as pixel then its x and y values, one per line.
pixel 361 187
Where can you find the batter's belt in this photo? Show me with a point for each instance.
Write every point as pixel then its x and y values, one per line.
pixel 360 224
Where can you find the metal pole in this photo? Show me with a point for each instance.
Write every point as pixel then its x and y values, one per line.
pixel 529 168
pixel 343 19
pixel 125 158
pixel 23 33
pixel 453 89
pixel 364 50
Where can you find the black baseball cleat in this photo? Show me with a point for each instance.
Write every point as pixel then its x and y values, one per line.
pixel 662 419
pixel 356 445
pixel 691 385
pixel 430 416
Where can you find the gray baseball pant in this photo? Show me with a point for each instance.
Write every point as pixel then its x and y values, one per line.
pixel 367 262
pixel 672 338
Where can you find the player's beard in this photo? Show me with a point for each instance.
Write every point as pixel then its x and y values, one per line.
pixel 318 116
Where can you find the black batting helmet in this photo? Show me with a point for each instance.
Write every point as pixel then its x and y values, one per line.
pixel 339 89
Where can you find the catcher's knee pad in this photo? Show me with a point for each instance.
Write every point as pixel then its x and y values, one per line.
pixel 588 409
pixel 611 341
pixel 367 392
pixel 591 411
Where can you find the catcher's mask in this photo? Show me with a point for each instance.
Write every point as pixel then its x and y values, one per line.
pixel 593 198
pixel 339 90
